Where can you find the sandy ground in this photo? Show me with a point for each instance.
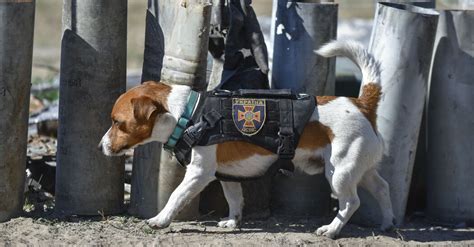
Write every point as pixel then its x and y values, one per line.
pixel 41 226
pixel 125 230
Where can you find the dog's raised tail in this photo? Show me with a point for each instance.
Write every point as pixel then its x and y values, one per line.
pixel 358 54
pixel 370 68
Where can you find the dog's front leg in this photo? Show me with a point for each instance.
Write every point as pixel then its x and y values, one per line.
pixel 198 175
pixel 235 199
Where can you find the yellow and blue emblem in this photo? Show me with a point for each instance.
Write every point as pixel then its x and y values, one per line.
pixel 248 115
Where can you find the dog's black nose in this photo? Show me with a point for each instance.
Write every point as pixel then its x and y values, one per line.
pixel 99 147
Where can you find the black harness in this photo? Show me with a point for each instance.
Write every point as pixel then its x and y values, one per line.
pixel 272 119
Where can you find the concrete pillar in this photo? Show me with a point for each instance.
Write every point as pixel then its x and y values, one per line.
pixel 402 41
pixel 186 41
pixel 216 72
pixel 417 198
pixel 16 49
pixel 93 75
pixel 450 120
pixel 145 174
pixel 301 28
pixel 186 28
pixel 146 158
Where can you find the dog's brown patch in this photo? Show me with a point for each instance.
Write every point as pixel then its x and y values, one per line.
pixel 134 114
pixel 322 100
pixel 368 102
pixel 232 151
pixel 315 135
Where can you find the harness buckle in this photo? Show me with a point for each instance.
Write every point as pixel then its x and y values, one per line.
pixel 286 149
pixel 192 135
pixel 211 118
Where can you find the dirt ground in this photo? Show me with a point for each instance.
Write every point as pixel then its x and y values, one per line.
pixel 40 226
pixel 125 230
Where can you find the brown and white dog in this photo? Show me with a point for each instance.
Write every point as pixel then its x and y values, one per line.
pixel 341 140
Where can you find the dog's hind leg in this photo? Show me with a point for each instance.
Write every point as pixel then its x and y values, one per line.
pixel 235 200
pixel 345 188
pixel 378 187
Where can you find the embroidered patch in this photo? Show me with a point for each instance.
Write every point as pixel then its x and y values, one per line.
pixel 248 115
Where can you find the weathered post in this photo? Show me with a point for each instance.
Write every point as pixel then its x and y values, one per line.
pixel 450 120
pixel 146 158
pixel 416 199
pixel 301 28
pixel 93 74
pixel 402 41
pixel 16 50
pixel 186 28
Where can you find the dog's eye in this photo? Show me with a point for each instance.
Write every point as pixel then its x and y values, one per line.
pixel 116 122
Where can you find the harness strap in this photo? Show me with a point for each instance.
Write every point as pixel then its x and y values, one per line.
pixel 286 147
pixel 193 135
pixel 183 121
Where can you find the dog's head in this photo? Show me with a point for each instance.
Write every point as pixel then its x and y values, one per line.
pixel 139 116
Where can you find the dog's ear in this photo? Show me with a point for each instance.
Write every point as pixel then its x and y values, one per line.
pixel 144 108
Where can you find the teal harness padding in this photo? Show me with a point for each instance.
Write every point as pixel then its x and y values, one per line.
pixel 182 121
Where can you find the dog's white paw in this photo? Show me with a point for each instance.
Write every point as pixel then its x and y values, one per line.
pixel 157 223
pixel 228 223
pixel 327 231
